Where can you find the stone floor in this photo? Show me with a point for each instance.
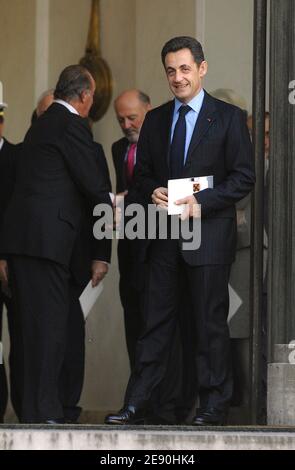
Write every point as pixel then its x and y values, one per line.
pixel 99 437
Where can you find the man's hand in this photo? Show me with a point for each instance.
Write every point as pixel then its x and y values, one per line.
pixel 160 197
pixel 99 270
pixel 191 209
pixel 118 204
pixel 119 198
pixel 241 218
pixel 4 272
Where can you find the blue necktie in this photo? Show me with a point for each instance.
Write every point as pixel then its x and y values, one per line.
pixel 177 147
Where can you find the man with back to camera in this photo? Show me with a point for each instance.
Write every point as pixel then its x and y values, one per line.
pixel 57 172
pixel 8 158
pixel 193 135
pixel 86 251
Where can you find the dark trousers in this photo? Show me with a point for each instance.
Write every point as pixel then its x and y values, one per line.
pixel 15 378
pixel 49 319
pixel 3 379
pixel 207 287
pixel 166 398
pixel 131 293
pixel 72 374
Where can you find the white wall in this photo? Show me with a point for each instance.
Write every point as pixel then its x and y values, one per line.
pixel 228 46
pixel 17 55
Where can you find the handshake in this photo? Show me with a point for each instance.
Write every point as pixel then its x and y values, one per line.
pixel 118 205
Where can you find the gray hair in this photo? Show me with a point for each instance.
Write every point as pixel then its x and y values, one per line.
pixel 143 97
pixel 231 97
pixel 72 81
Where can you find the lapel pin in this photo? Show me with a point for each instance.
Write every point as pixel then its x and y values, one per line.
pixel 209 119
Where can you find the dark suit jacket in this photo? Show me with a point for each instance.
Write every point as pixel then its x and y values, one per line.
pixel 8 157
pixel 220 146
pixel 87 248
pixel 119 150
pixel 56 172
pixel 128 261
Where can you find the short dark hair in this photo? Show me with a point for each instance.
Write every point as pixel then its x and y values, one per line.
pixel 72 81
pixel 143 97
pixel 184 42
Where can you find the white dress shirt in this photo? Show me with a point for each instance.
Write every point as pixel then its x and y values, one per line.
pixel 67 105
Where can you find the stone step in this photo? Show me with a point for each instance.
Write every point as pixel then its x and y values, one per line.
pixel 90 437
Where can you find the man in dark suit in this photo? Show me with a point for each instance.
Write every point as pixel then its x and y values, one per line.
pixel 56 174
pixel 8 157
pixel 130 107
pixel 194 135
pixel 85 251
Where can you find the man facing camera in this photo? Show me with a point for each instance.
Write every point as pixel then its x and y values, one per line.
pixel 192 136
pixel 57 173
pixel 131 107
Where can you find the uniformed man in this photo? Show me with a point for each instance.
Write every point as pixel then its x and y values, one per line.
pixel 8 156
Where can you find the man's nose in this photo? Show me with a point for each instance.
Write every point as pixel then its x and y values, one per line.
pixel 178 76
pixel 126 124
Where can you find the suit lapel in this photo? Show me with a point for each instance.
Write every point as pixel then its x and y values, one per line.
pixel 167 123
pixel 5 147
pixel 205 119
pixel 121 155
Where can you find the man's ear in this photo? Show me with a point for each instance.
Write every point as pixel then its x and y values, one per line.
pixel 83 96
pixel 203 68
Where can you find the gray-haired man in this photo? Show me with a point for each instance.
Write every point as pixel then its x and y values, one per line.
pixel 58 171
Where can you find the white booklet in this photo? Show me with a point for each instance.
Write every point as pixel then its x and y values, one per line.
pixel 89 296
pixel 183 187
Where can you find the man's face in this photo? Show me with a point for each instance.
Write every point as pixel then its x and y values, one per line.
pixel 130 111
pixel 184 75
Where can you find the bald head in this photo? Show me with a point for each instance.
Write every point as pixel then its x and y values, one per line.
pixel 45 100
pixel 131 107
pixel 266 132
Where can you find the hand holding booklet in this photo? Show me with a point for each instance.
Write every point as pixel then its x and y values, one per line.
pixel 89 296
pixel 183 187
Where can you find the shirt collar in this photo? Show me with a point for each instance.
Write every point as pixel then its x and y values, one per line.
pixel 1 142
pixel 195 103
pixel 67 105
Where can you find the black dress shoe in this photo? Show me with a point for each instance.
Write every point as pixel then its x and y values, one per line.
pixel 209 417
pixel 127 415
pixel 55 421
